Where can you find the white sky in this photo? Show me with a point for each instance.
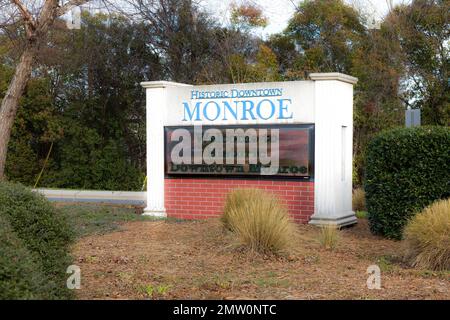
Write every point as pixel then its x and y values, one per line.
pixel 279 11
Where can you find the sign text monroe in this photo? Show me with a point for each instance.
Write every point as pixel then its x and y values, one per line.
pixel 237 104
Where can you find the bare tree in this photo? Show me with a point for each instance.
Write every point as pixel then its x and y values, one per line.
pixel 390 5
pixel 36 17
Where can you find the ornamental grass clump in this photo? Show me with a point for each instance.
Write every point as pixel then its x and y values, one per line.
pixel 329 236
pixel 359 200
pixel 258 220
pixel 427 237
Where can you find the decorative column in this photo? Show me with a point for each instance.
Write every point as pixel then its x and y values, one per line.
pixel 156 108
pixel 333 105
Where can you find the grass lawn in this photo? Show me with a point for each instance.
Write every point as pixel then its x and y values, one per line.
pixel 123 255
pixel 91 219
pixel 361 214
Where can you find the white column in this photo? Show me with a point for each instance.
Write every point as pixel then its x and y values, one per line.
pixel 333 99
pixel 156 108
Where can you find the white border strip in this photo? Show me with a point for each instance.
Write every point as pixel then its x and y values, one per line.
pixel 114 197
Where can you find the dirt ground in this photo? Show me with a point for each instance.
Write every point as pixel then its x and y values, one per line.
pixel 199 260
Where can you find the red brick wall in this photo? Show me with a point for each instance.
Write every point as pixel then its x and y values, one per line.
pixel 196 198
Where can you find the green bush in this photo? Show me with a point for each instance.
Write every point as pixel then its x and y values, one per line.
pixel 407 170
pixel 21 276
pixel 43 231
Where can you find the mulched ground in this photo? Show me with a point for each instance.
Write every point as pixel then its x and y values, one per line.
pixel 199 260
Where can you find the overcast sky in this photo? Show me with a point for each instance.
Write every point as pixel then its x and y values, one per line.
pixel 279 11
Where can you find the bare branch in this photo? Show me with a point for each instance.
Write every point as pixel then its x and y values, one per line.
pixel 69 5
pixel 26 15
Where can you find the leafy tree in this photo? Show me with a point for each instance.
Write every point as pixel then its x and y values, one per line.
pixel 324 33
pixel 377 64
pixel 35 26
pixel 37 126
pixel 103 104
pixel 253 61
pixel 330 36
pixel 247 16
pixel 423 32
pixel 85 161
pixel 181 35
pixel 86 99
pixel 265 68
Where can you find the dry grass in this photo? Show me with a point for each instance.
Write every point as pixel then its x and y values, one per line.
pixel 427 237
pixel 234 201
pixel 359 200
pixel 329 236
pixel 259 221
pixel 195 260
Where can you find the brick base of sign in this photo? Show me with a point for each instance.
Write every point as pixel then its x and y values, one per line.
pixel 197 198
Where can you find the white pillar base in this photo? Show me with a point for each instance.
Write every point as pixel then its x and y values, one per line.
pixel 150 212
pixel 342 221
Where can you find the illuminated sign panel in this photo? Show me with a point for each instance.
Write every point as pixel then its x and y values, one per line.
pixel 240 150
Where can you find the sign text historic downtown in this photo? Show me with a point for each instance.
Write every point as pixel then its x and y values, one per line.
pixel 256 104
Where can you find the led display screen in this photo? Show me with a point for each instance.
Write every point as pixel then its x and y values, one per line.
pixel 256 150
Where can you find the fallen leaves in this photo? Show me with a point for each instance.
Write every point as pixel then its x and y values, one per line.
pixel 197 260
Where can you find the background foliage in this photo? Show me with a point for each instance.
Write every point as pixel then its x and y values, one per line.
pixel 85 103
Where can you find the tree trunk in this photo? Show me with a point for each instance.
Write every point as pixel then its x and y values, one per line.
pixel 36 32
pixel 10 103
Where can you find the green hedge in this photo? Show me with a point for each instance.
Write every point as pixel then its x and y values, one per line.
pixel 407 169
pixel 43 232
pixel 21 276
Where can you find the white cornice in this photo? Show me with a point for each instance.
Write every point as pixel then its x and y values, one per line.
pixel 333 76
pixel 162 84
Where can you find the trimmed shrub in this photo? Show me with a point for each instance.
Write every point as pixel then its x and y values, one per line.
pixel 407 170
pixel 21 276
pixel 359 200
pixel 427 237
pixel 43 231
pixel 259 220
